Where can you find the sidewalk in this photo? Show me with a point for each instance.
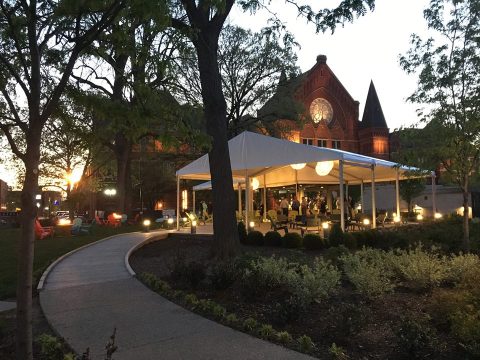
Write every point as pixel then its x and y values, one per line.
pixel 90 292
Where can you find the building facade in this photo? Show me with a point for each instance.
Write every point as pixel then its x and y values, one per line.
pixel 330 116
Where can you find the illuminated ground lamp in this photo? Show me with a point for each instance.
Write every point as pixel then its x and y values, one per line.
pixel 326 229
pixel 397 219
pixel 170 222
pixel 438 216
pixel 110 192
pixel 146 225
pixel 366 222
pixel 419 217
pixel 64 222
pixel 193 228
pixel 251 226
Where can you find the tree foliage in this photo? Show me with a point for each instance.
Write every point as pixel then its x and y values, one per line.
pixel 448 68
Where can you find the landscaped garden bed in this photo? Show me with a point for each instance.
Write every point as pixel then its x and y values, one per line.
pixel 332 301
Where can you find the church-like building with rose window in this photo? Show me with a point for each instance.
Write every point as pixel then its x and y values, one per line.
pixel 329 115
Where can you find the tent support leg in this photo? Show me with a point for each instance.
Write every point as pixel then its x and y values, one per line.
pixel 247 198
pixel 264 198
pixel 397 193
pixel 434 203
pixel 239 191
pixel 361 197
pixel 193 202
pixel 374 205
pixel 342 197
pixel 178 203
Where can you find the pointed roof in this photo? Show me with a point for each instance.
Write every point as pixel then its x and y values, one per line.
pixel 373 114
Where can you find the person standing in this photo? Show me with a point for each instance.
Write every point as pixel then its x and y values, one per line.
pixel 295 204
pixel 284 206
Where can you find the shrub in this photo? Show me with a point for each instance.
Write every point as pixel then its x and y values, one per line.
pixel 50 347
pixel 191 273
pixel 462 266
pixel 266 331
pixel 223 274
pixel 191 299
pixel 466 328
pixel 335 238
pixel 334 253
pixel 255 238
pixel 206 305
pixel 313 242
pixel 242 232
pixel 350 241
pixel 218 311
pixel 284 337
pixel 337 352
pixel 292 241
pixel 416 337
pixel 273 238
pixel 421 269
pixel 306 343
pixel 155 283
pixel 290 309
pixel 321 280
pixel 231 319
pixel 369 270
pixel 250 324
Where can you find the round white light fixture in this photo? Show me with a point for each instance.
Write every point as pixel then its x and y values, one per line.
pixel 147 222
pixel 298 166
pixel 438 216
pixel 366 222
pixel 255 183
pixel 419 217
pixel 323 168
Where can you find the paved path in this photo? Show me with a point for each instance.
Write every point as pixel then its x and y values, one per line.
pixel 90 292
pixel 7 305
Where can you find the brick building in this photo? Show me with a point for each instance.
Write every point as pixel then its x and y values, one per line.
pixel 330 116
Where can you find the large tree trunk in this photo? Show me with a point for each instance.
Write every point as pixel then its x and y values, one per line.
pixel 226 242
pixel 25 253
pixel 466 229
pixel 122 154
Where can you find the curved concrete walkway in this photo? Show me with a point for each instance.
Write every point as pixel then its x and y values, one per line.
pixel 91 291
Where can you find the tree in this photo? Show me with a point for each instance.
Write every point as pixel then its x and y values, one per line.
pixel 251 66
pixel 123 75
pixel 448 69
pixel 410 189
pixel 202 22
pixel 40 44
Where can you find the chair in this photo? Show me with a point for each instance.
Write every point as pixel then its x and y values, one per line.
pixel 193 217
pixel 312 225
pixel 272 214
pixel 292 215
pixel 113 221
pixel 42 232
pixel 79 228
pixel 380 220
pixel 254 216
pixel 275 226
pixel 100 221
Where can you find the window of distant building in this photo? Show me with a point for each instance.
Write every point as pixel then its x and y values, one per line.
pixel 335 144
pixel 307 141
pixel 321 143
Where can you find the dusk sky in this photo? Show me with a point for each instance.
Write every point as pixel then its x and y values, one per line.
pixel 367 49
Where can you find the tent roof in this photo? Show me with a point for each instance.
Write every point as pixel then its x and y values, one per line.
pixel 256 155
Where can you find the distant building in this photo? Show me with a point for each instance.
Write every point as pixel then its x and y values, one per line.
pixel 331 115
pixel 3 195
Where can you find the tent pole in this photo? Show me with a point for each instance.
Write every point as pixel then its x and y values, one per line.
pixel 247 198
pixel 361 197
pixel 342 197
pixel 239 190
pixel 264 198
pixel 178 203
pixel 193 201
pixel 397 192
pixel 434 203
pixel 346 190
pixel 374 205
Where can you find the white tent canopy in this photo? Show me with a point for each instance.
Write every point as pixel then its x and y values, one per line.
pixel 268 159
pixel 253 155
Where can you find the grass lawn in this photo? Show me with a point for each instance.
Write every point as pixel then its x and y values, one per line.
pixel 46 251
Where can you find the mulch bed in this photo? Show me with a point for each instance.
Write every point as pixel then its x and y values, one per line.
pixel 365 329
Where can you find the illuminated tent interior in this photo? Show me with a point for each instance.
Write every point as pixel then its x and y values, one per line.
pixel 270 162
